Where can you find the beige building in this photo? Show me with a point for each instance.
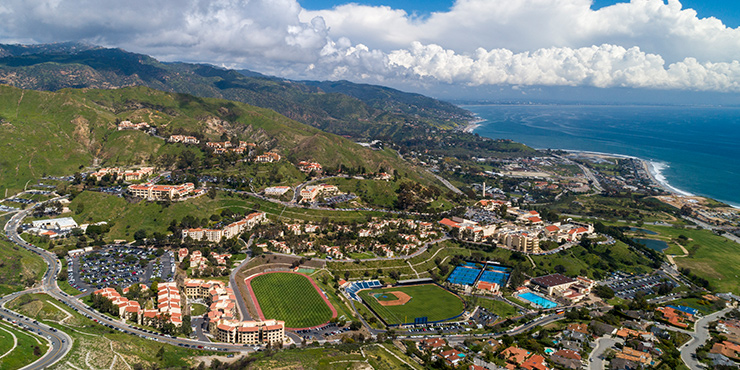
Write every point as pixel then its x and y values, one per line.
pixel 160 192
pixel 249 332
pixel 227 232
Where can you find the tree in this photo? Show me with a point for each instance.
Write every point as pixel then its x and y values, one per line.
pixel 355 325
pixel 140 234
pixel 185 329
pixel 604 292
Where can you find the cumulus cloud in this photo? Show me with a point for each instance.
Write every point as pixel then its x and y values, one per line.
pixel 644 43
pixel 599 66
pixel 520 25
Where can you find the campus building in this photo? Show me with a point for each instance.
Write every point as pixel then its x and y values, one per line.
pixel 277 190
pixel 268 157
pixel 128 125
pixel 309 166
pixel 558 285
pixel 249 332
pixel 160 192
pixel 311 192
pixel 222 315
pixel 229 231
pixel 183 139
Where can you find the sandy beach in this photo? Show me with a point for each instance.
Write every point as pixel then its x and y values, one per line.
pixel 472 125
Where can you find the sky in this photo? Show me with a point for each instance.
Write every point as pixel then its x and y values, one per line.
pixel 437 46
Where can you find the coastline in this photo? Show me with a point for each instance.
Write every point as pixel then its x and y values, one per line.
pixel 653 169
pixel 472 125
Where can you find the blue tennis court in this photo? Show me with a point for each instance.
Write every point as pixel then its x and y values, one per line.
pixel 496 274
pixel 463 275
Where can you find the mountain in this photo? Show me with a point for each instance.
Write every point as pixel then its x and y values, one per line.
pixel 344 108
pixel 58 133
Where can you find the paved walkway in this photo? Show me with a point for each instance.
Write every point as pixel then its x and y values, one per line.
pixel 15 342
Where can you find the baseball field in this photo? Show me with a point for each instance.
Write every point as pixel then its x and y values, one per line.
pixel 399 305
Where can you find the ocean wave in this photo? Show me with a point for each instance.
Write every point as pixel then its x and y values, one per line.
pixel 656 169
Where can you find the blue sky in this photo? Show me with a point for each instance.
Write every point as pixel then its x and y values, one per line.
pixel 726 10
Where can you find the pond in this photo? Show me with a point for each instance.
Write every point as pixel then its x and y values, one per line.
pixel 657 245
pixel 644 231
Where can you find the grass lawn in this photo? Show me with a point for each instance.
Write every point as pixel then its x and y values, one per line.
pixel 426 300
pixel 291 298
pixel 197 309
pixel 127 218
pixel 704 306
pixel 97 344
pixel 309 358
pixel 378 357
pixel 502 309
pixel 23 353
pixel 18 267
pixel 711 257
pixel 361 255
pixel 65 287
pixel 343 311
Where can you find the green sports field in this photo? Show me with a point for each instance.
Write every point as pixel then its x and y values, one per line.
pixel 291 298
pixel 426 300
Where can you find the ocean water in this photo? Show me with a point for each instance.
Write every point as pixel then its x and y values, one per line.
pixel 694 150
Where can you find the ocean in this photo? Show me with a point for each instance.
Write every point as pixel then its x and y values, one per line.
pixel 693 150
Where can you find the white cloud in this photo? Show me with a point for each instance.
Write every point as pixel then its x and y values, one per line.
pixel 645 43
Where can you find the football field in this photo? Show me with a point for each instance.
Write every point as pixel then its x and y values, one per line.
pixel 292 298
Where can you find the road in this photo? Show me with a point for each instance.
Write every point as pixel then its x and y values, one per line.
pixel 596 358
pixel 59 342
pixel 698 338
pixel 446 183
pixel 49 286
pixel 707 226
pixel 241 304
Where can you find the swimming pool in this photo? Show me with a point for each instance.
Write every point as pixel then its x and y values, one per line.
pixel 537 300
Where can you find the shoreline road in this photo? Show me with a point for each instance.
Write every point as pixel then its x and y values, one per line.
pixel 698 338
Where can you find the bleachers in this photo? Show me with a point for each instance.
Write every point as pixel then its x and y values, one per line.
pixel 357 286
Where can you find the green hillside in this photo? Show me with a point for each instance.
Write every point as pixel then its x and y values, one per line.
pixel 59 133
pixel 341 108
pixel 18 267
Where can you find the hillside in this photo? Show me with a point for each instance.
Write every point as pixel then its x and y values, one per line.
pixel 58 133
pixel 339 107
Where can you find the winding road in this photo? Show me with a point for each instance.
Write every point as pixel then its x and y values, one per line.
pixel 60 343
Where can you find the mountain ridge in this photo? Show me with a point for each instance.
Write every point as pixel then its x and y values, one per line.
pixel 340 107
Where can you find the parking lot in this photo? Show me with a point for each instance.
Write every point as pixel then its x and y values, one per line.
pixel 118 266
pixel 324 332
pixel 626 286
